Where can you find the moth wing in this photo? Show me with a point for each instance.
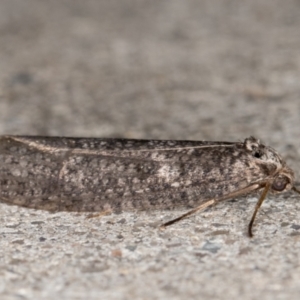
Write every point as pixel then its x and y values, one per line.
pixel 157 179
pixel 92 174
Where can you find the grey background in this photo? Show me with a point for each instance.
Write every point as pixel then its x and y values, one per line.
pixel 213 70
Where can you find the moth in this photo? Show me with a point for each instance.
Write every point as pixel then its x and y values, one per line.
pixel 98 175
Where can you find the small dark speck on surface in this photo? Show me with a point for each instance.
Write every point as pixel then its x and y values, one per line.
pixel 122 221
pixel 244 250
pixel 135 229
pixel 20 242
pixel 200 254
pixel 116 253
pixel 154 224
pixel 110 222
pixel 200 229
pixel 211 247
pixel 295 233
pixel 12 225
pixel 42 239
pixel 37 222
pixel 295 226
pixel 17 261
pixel 219 232
pixel 175 244
pixel 95 268
pixel 131 247
pixel 218 224
pixel 21 78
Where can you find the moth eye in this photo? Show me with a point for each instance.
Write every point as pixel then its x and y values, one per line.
pixel 280 184
pixel 257 154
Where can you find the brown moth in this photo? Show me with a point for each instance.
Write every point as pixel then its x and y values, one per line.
pixel 97 175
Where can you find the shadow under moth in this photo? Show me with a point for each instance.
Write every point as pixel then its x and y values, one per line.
pixel 98 175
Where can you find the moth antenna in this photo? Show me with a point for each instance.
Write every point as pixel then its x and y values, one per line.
pixel 296 190
pixel 198 208
pixel 257 206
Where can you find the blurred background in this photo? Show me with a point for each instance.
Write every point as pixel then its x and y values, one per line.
pixel 216 70
pixel 153 69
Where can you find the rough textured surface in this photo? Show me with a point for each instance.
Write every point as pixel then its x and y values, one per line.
pixel 198 70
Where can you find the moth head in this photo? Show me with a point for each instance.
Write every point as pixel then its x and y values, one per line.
pixel 272 164
pixel 262 152
pixel 266 157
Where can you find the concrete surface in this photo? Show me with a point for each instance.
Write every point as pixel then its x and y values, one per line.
pixel 215 70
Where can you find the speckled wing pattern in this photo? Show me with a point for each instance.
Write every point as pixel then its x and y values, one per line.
pixel 89 174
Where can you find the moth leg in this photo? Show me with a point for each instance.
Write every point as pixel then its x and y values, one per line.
pixel 259 203
pixel 200 207
pixel 244 191
pixel 257 206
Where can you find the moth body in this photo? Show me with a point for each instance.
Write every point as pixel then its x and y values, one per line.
pixel 92 175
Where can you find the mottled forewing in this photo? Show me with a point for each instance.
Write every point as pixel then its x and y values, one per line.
pixel 97 174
